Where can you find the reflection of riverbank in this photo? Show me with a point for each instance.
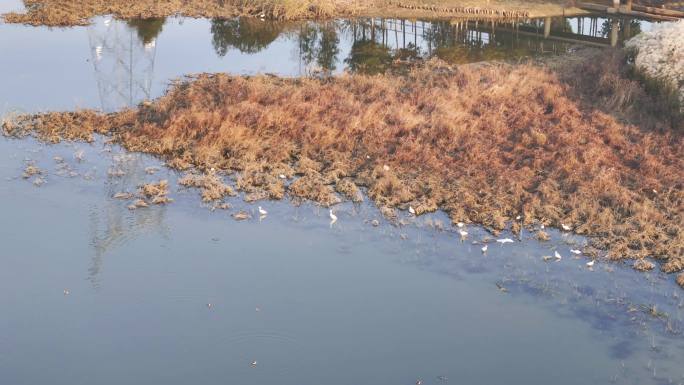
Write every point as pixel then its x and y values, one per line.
pixel 70 12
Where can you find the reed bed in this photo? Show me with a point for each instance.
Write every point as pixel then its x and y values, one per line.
pixel 485 143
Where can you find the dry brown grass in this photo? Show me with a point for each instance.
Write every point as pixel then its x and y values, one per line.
pixel 156 193
pixel 484 143
pixel 73 12
pixel 680 280
pixel 211 185
pixel 643 265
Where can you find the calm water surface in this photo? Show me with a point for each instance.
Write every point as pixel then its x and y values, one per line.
pixel 308 302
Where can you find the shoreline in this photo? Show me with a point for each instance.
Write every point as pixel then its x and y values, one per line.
pixel 476 148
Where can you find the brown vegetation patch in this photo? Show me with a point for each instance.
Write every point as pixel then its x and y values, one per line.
pixel 485 143
pixel 156 193
pixel 680 280
pixel 30 171
pixel 212 186
pixel 643 265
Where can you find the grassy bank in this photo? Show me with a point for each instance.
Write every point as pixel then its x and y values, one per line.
pixel 485 143
pixel 72 12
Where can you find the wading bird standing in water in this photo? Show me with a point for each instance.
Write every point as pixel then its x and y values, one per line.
pixel 333 217
pixel 262 211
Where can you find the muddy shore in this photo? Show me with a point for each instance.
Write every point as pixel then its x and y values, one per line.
pixel 71 12
pixel 504 146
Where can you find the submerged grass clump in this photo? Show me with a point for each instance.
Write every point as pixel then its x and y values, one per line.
pixel 156 193
pixel 485 143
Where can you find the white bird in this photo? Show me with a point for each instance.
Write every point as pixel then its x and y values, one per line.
pixel 282 176
pixel 412 210
pixel 557 255
pixel 66 291
pixel 542 226
pixel 333 217
pixel 254 363
pixel 385 167
pixel 518 217
pixel 463 233
pixel 505 240
pixel 262 211
pixel 484 249
pixel 591 264
pixel 460 224
pixel 566 227
pixel 575 251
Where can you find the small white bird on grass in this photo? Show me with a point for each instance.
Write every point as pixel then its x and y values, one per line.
pixel 262 211
pixel 566 227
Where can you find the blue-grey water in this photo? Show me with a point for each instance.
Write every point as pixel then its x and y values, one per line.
pixel 94 293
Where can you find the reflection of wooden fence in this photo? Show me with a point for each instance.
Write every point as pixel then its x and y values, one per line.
pixel 588 30
pixel 635 10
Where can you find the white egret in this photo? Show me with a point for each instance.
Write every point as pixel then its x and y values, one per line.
pixel 412 210
pixel 557 255
pixel 575 251
pixel 484 249
pixel 591 264
pixel 566 227
pixel 262 211
pixel 505 240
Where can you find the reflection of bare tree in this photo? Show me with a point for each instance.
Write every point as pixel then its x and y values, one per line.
pixel 112 224
pixel 123 56
pixel 248 35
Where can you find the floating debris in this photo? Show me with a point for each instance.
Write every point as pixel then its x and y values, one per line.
pixel 241 215
pixel 79 155
pixel 151 170
pixel 501 288
pixel 643 265
pixel 30 171
pixel 156 192
pixel 542 235
pixel 123 195
pixel 115 172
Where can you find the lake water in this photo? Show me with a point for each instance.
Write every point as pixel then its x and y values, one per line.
pixel 92 292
